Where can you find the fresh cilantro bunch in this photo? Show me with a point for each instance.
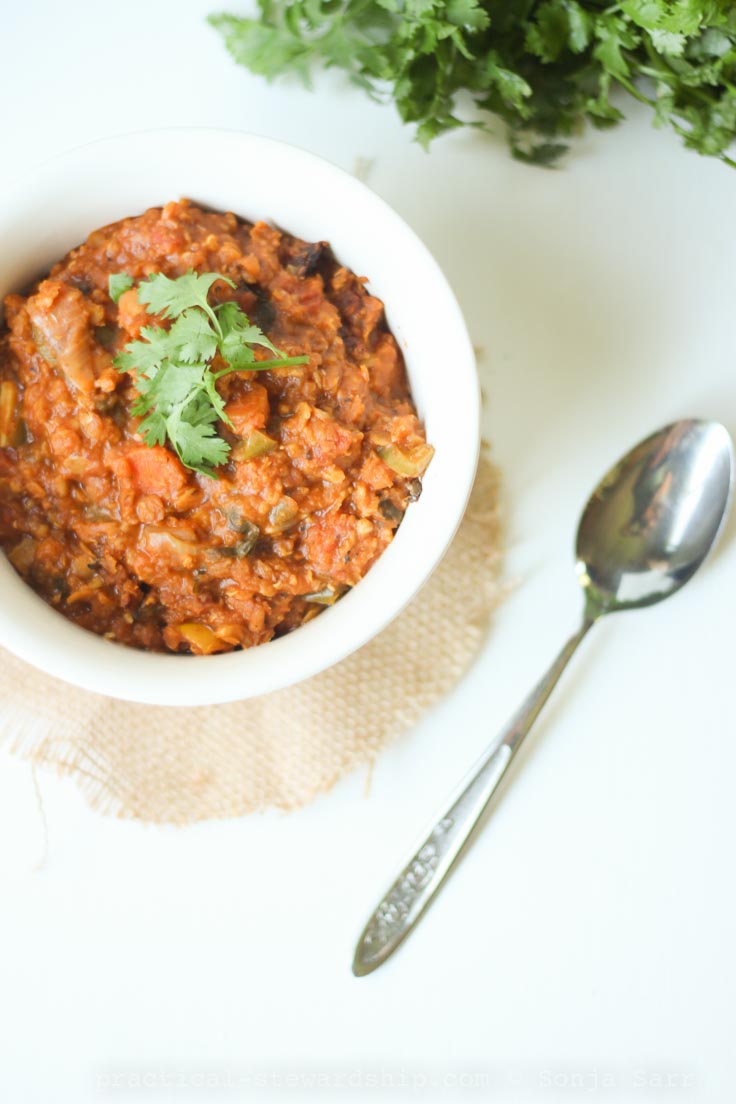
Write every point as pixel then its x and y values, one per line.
pixel 172 369
pixel 542 66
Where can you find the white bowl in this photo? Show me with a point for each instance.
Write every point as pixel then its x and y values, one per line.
pixel 256 178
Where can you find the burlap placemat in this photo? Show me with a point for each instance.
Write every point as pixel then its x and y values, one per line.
pixel 280 750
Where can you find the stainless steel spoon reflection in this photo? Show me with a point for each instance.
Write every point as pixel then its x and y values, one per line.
pixel 645 531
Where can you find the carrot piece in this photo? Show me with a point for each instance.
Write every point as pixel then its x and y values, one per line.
pixel 249 411
pixel 201 638
pixel 155 470
pixel 132 314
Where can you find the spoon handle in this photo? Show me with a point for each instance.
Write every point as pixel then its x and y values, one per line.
pixel 426 870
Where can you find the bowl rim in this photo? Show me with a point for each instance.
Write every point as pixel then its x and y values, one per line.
pixel 90 662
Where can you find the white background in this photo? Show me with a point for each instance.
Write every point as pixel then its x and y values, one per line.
pixel 585 946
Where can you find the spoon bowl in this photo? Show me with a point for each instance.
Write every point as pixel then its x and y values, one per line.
pixel 654 517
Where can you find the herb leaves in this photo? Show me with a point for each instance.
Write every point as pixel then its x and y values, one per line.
pixel 173 368
pixel 542 66
pixel 118 283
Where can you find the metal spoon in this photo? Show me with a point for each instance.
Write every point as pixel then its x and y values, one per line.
pixel 646 530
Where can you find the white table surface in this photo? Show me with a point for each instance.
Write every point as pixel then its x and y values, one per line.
pixel 586 944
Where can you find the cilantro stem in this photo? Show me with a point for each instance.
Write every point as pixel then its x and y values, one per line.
pixel 634 91
pixel 213 319
pixel 263 365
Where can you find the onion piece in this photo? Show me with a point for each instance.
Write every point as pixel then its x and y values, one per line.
pixel 201 637
pixel 253 445
pixel 408 462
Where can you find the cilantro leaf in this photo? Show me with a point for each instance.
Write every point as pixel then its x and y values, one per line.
pixel 146 355
pixel 173 385
pixel 236 325
pixel 197 444
pixel 178 399
pixel 542 66
pixel 216 401
pixel 546 154
pixel 117 283
pixel 192 337
pixel 238 334
pixel 170 298
pixel 153 429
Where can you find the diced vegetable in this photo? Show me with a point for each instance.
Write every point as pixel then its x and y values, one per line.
pixel 414 488
pixel 23 555
pixel 249 411
pixel 250 537
pixel 60 326
pixel 408 462
pixel 229 634
pixel 327 596
pixel 390 510
pixel 45 348
pixel 179 545
pixel 83 567
pixel 284 514
pixel 156 471
pixel 254 444
pixel 201 638
pixel 132 314
pixel 84 592
pixel 8 413
pixel 240 523
pixel 238 551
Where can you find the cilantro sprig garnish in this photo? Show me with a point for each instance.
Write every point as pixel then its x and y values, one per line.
pixel 173 368
pixel 541 66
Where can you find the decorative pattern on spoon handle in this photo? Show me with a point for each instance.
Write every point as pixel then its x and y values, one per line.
pixel 423 874
pixel 398 904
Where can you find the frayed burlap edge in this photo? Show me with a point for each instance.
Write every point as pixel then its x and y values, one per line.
pixel 282 750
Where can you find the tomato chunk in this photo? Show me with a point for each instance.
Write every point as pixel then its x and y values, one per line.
pixel 156 471
pixel 249 411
